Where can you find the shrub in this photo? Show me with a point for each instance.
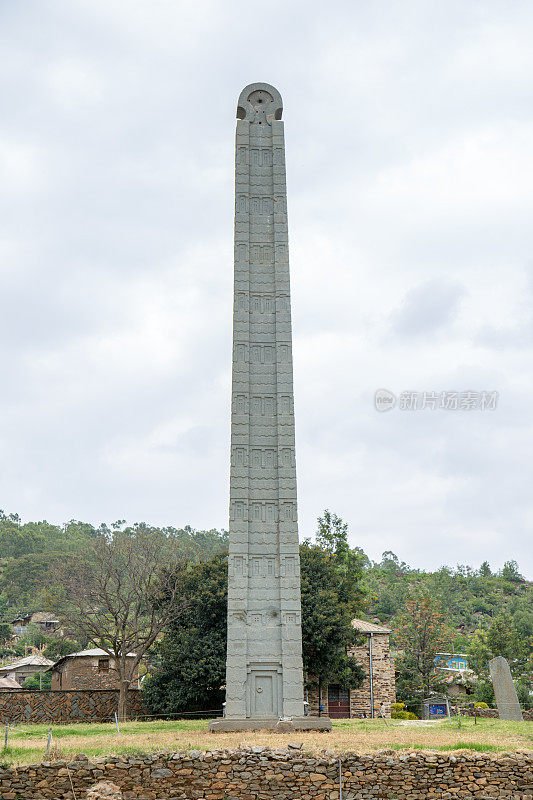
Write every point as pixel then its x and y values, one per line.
pixel 398 706
pixel 481 704
pixel 484 693
pixel 34 683
pixel 524 698
pixel 402 714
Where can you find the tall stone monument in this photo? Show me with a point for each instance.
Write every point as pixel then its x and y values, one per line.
pixel 264 676
pixel 504 690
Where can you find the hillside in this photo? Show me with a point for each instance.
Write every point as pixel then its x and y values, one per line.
pixel 470 599
pixel 28 552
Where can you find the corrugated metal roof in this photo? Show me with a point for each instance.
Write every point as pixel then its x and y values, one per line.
pixel 96 651
pixel 28 661
pixel 43 616
pixel 9 683
pixel 369 627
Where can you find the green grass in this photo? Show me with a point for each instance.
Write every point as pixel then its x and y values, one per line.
pixel 104 728
pixel 27 743
pixel 480 748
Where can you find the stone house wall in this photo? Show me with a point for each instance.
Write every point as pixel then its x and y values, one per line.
pixel 280 774
pixel 84 672
pixel 64 707
pixel 384 683
pixel 20 674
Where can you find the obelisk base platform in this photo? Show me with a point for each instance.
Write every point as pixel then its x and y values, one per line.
pixel 226 725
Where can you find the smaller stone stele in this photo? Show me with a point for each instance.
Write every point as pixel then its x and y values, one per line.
pixel 504 690
pixel 283 725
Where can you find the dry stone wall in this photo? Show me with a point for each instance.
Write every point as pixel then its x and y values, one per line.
pixel 254 773
pixel 65 706
pixel 490 713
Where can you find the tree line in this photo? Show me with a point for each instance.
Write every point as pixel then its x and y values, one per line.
pixel 161 593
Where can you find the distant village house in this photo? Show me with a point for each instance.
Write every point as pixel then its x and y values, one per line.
pixel 25 667
pixel 453 668
pixel 456 662
pixel 88 669
pixel 378 690
pixel 46 622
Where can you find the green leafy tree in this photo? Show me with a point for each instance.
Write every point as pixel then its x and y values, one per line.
pixel 479 654
pixel 120 595
pixel 421 633
pixel 6 633
pixel 192 654
pixel 523 689
pixel 484 692
pixel 332 594
pixel 510 572
pixel 501 638
pixel 57 647
pixel 332 535
pixel 190 661
pixel 26 580
pixel 331 598
pixel 38 681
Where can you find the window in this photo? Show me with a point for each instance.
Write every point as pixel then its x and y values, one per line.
pixel 103 665
pixel 338 695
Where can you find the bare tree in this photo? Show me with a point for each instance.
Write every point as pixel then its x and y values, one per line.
pixel 121 594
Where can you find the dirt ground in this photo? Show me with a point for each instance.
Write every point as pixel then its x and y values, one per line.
pixel 27 743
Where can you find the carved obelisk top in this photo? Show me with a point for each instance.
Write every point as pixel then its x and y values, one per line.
pixel 264 675
pixel 259 102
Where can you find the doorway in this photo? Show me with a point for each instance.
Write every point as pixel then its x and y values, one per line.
pixel 263 694
pixel 338 702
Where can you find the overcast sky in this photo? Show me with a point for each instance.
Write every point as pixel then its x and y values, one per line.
pixel 409 131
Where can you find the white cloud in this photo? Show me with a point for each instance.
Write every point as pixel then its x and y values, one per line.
pixel 409 159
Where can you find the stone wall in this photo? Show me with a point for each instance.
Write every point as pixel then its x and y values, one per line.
pixel 84 672
pixel 284 774
pixel 490 712
pixel 66 706
pixel 384 682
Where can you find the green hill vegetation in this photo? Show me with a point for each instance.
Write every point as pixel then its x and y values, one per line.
pixel 480 612
pixel 469 598
pixel 29 551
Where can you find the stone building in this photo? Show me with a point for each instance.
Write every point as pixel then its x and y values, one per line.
pixel 88 669
pixel 379 685
pixel 24 668
pixel 45 621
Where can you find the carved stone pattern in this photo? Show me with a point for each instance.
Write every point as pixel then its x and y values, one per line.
pixel 264 665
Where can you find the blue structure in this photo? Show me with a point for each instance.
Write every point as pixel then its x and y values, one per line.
pixel 456 662
pixel 434 707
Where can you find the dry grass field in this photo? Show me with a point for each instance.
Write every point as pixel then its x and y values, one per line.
pixel 27 743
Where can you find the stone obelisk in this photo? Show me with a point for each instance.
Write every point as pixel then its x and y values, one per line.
pixel 264 676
